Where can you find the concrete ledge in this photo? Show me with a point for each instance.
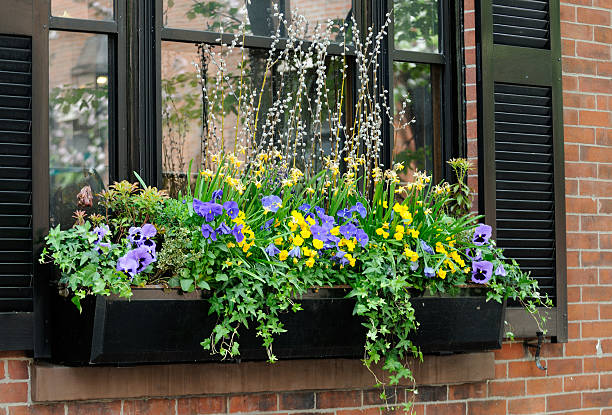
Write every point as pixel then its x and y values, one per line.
pixel 61 383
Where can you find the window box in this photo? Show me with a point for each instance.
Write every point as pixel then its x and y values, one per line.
pixel 159 326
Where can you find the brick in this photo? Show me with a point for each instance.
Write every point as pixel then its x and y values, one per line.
pixel 253 403
pixel 596 329
pixel 467 391
pixel 568 48
pixel 596 399
pixel 393 396
pixel 605 205
pixel 577 100
pixel 527 406
pixel 18 369
pixel 604 4
pixel 597 293
pixel 595 118
pixel 149 407
pixel 563 366
pixel 338 399
pixel 510 351
pixel 573 330
pixel 594 85
pixel 583 241
pixel 94 408
pixel 568 14
pixel 577 312
pixel 562 402
pixel 11 354
pixel 2 374
pixel 605 69
pixel 603 34
pixel 597 364
pixel 507 388
pixel 576 31
pixel 582 276
pixel 605 312
pixel 570 117
pixel 544 386
pixel 429 394
pixel 201 406
pixel 580 383
pixel 13 392
pixel 584 135
pixel 489 407
pixel 364 411
pixel 501 370
pixel 296 400
pixel 605 276
pixel 604 171
pixel 445 409
pixel 524 369
pixel 593 50
pixel 605 380
pixel 596 259
pixel 595 223
pixel 593 16
pixel 53 409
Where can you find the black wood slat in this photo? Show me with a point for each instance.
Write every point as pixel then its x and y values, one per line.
pixel 16 257
pixel 525 210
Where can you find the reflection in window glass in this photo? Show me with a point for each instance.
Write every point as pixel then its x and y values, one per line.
pixel 78 119
pixel 415 25
pixel 260 16
pixel 206 111
pixel 414 127
pixel 83 9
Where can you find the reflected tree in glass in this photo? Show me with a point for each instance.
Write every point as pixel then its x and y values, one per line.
pixel 416 25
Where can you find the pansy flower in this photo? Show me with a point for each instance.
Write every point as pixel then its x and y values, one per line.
pixel 319 210
pixel 360 209
pixel 237 232
pixel 135 235
pixel 305 207
pixel 473 255
pixel 501 271
pixel 231 208
pixel 272 250
pixel 208 210
pixel 348 230
pixel 267 224
pixel 426 247
pixel 223 229
pixel 344 213
pixel 217 195
pixel 102 230
pixel 148 230
pixel 481 271
pixel 362 237
pixel 149 245
pixel 127 265
pixel 429 272
pixel 271 203
pixel 208 232
pixel 481 235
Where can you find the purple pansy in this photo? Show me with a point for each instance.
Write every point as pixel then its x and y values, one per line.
pixel 231 208
pixel 127 265
pixel 271 203
pixel 217 195
pixel 208 210
pixel 360 209
pixel 267 224
pixel 208 232
pixel 344 213
pixel 305 207
pixel 223 229
pixel 102 230
pixel 473 255
pixel 500 271
pixel 340 257
pixel 429 272
pixel 348 230
pixel 237 232
pixel 135 261
pixel 295 252
pixel 148 230
pixel 272 250
pixel 482 234
pixel 327 221
pixel 319 232
pixel 135 235
pixel 362 237
pixel 149 245
pixel 319 210
pixel 426 247
pixel 481 271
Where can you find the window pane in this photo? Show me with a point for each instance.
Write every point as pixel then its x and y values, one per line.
pixel 204 113
pixel 78 119
pixel 259 15
pixel 416 118
pixel 83 9
pixel 416 25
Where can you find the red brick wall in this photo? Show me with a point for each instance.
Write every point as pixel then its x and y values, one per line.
pixel 579 375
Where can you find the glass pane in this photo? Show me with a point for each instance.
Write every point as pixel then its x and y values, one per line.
pixel 259 16
pixel 83 9
pixel 415 25
pixel 416 118
pixel 206 111
pixel 78 119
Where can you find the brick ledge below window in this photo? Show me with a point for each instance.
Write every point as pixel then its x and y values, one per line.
pixel 61 383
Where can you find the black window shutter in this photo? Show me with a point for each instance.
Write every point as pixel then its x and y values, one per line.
pixel 16 260
pixel 521 163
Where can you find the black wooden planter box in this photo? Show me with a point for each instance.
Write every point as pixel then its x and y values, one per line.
pixel 158 326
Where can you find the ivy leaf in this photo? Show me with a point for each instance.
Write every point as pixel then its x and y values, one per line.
pixel 186 284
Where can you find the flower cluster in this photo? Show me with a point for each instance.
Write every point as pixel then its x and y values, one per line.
pixel 137 259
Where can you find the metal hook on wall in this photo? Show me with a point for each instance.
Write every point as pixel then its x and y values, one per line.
pixel 538 348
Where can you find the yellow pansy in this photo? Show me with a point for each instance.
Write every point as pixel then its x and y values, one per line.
pixel 398 236
pixel 298 240
pixel 400 229
pixel 231 244
pixel 310 262
pixel 278 241
pixel 441 273
pixel 414 233
pixel 305 233
pixel 335 231
pixel 317 243
pixel 282 255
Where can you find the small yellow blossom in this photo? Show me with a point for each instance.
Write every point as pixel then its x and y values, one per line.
pixel 231 245
pixel 298 240
pixel 282 255
pixel 441 273
pixel 310 262
pixel 317 243
pixel 278 241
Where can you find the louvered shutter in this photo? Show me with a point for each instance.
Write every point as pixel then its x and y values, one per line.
pixel 15 192
pixel 521 189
